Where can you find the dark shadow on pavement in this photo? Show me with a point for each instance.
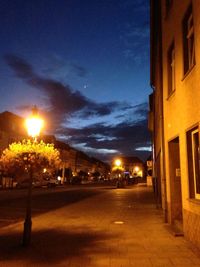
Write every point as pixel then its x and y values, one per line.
pixel 52 246
pixel 13 210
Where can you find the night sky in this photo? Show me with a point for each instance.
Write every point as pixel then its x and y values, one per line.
pixel 85 64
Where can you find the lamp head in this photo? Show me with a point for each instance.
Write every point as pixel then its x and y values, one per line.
pixel 34 123
pixel 118 162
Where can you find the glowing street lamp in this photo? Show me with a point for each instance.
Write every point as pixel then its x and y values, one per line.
pixel 118 162
pixel 117 165
pixel 136 168
pixel 34 125
pixel 119 168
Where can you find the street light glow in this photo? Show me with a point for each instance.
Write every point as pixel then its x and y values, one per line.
pixel 34 126
pixel 118 162
pixel 137 168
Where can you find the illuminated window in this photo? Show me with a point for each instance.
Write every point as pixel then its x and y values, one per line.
pixel 188 40
pixel 171 69
pixel 193 162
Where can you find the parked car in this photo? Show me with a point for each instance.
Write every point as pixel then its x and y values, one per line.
pixel 75 180
pixel 47 179
pixel 48 182
pixel 24 184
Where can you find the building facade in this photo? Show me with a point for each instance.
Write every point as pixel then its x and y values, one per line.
pixel 12 129
pixel 175 77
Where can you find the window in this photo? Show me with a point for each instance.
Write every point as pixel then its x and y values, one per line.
pixel 171 69
pixel 188 40
pixel 193 162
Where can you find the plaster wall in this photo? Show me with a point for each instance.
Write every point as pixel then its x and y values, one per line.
pixel 182 108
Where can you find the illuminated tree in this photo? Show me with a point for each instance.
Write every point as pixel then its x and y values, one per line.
pixel 19 156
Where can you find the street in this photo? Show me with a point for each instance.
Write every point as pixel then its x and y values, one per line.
pixel 13 202
pixel 90 226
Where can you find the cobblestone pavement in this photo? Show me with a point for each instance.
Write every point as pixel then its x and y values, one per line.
pixel 117 228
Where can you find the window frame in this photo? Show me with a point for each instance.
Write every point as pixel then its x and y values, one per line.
pixel 188 41
pixel 195 161
pixel 193 158
pixel 171 69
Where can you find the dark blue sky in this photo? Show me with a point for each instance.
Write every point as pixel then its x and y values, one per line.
pixel 85 64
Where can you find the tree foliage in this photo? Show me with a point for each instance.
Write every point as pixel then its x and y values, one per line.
pixel 22 155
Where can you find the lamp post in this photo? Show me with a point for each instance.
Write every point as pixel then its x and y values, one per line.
pixel 33 125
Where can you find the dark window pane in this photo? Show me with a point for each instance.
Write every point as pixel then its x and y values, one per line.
pixel 196 161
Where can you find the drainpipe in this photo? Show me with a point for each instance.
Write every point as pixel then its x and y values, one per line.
pixel 154 177
pixel 163 173
pixel 157 12
pixel 163 169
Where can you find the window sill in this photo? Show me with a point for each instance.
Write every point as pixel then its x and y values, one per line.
pixel 172 93
pixel 188 72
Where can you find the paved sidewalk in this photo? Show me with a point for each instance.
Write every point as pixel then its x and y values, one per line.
pixel 118 228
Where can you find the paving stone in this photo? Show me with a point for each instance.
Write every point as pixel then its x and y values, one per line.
pixel 84 234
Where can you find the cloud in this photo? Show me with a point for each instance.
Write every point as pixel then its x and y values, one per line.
pixel 80 71
pixel 135 113
pixel 135 39
pixel 57 67
pixel 21 67
pixel 138 32
pixel 136 5
pixel 63 101
pixel 141 110
pixel 125 137
pixel 135 34
pixel 144 148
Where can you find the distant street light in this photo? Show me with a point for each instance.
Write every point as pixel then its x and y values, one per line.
pixel 119 170
pixel 34 125
pixel 136 168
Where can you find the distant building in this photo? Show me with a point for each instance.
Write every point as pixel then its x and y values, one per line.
pixel 175 114
pixel 12 129
pixel 129 166
pixel 134 166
